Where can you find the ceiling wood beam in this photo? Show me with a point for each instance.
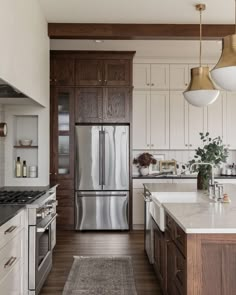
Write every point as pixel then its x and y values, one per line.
pixel 137 31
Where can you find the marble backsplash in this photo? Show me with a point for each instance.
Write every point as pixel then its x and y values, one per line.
pixel 2 157
pixel 182 157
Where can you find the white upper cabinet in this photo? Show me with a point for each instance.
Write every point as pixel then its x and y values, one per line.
pixel 178 119
pixel 159 76
pixel 141 120
pixel 195 126
pixel 186 122
pixel 163 119
pixel 141 76
pixel 159 117
pixel 179 76
pixel 151 76
pixel 230 120
pixel 214 117
pixel 151 120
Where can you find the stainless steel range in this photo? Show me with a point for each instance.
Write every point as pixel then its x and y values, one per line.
pixel 41 211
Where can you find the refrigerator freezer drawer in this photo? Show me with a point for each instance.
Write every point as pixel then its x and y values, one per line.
pixel 102 211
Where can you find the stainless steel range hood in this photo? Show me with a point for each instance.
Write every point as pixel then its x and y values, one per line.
pixel 8 91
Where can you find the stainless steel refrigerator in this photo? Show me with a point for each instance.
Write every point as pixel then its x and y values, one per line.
pixel 102 177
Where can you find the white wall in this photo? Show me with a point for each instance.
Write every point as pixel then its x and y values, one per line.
pixel 24 50
pixel 2 152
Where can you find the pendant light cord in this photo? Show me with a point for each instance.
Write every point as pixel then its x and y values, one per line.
pixel 200 57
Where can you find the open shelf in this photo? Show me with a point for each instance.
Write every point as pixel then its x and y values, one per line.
pixel 25 147
pixel 26 127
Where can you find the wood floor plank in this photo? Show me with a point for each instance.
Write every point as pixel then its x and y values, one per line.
pixel 71 243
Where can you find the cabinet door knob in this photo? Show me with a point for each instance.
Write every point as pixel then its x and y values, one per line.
pixel 55 173
pixel 190 145
pixel 152 84
pixel 148 84
pixel 186 145
pixel 152 144
pixel 147 144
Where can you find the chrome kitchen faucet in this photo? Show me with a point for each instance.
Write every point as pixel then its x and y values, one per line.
pixel 214 186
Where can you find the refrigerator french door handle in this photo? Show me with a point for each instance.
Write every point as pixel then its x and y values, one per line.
pixel 103 157
pixel 100 158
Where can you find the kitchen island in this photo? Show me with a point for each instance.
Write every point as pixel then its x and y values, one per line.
pixel 195 250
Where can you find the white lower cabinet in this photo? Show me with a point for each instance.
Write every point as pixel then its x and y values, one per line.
pixel 12 256
pixel 138 208
pixel 11 284
pixel 138 201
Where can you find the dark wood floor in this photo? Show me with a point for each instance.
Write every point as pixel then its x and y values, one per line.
pixel 70 243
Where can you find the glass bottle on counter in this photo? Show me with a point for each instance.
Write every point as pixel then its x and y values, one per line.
pixel 24 169
pixel 18 167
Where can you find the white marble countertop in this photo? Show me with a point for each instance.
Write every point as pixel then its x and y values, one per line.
pixel 202 216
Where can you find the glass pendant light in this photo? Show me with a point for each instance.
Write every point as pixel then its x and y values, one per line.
pixel 201 91
pixel 224 73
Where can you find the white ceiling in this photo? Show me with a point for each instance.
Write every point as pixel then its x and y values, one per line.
pixel 137 11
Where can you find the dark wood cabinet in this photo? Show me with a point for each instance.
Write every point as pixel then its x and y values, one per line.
pixel 194 264
pixel 89 105
pixel 117 73
pixel 62 71
pixel 116 105
pixel 111 72
pixel 89 72
pixel 159 254
pixel 62 133
pixel 86 87
pixel 102 105
pixel 62 152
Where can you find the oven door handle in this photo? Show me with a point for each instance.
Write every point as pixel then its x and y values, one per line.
pixel 42 229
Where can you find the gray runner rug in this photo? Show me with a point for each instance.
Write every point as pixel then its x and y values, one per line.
pixel 96 275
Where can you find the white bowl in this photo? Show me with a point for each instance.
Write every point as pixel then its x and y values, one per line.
pixel 26 142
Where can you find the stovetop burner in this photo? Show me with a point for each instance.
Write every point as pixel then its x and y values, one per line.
pixel 19 197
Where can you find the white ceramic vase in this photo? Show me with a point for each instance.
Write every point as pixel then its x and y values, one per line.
pixel 144 171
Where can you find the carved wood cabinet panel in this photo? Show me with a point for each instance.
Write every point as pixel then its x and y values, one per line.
pixel 94 72
pixel 116 105
pixel 62 71
pixel 89 105
pixel 117 73
pixel 89 72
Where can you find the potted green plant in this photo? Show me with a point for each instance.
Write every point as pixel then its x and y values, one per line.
pixel 143 161
pixel 214 152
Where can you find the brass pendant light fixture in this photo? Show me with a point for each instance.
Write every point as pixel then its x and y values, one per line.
pixel 224 73
pixel 201 91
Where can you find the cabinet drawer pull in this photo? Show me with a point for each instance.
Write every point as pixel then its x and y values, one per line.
pixel 10 262
pixel 10 229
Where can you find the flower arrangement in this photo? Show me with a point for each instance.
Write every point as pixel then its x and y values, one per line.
pixel 144 160
pixel 214 152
